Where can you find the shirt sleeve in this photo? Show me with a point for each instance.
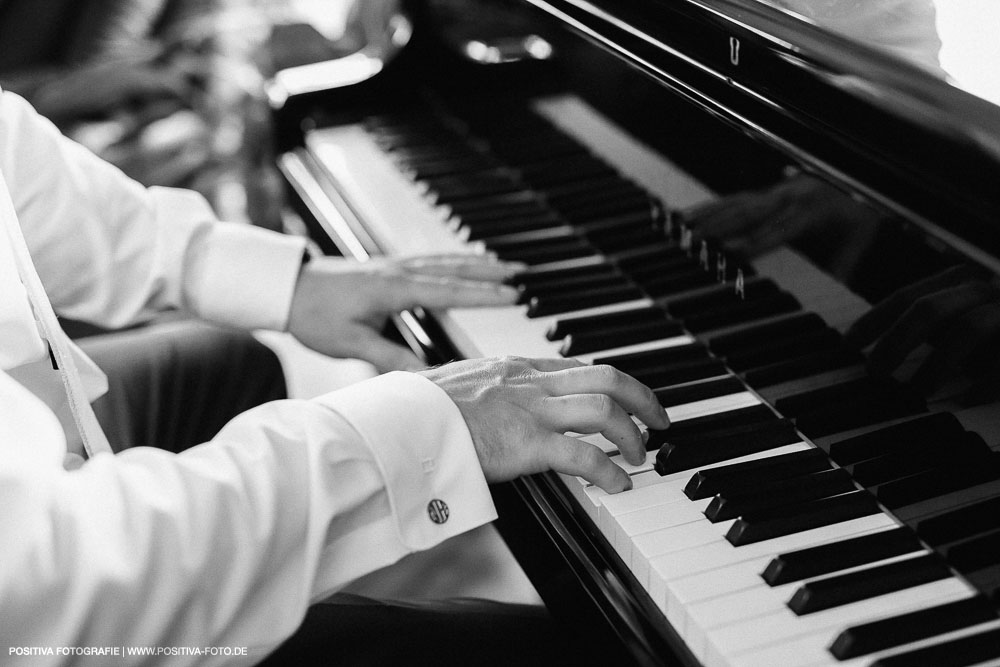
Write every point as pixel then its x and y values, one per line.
pixel 227 543
pixel 111 251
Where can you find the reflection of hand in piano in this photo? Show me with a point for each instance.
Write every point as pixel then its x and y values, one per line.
pixel 955 311
pixel 751 223
pixel 340 306
pixel 518 411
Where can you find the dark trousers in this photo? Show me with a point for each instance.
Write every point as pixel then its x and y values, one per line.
pixel 175 384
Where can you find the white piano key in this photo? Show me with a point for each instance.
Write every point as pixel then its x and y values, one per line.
pixel 649 545
pixel 812 650
pixel 741 579
pixel 719 553
pixel 655 518
pixel 758 600
pixel 645 466
pixel 721 643
pixel 710 406
pixel 662 344
pixel 394 211
pixel 685 591
pixel 591 497
pixel 671 487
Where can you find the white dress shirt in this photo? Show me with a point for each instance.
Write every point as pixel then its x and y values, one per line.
pixel 225 544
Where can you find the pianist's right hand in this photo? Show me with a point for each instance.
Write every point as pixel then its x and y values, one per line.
pixel 518 411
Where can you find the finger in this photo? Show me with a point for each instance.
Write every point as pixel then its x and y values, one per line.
pixel 575 457
pixel 876 321
pixel 595 413
pixel 407 291
pixel 555 364
pixel 466 266
pixel 927 316
pixel 626 391
pixel 724 217
pixel 970 339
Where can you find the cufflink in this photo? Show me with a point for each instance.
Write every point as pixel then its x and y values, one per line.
pixel 437 510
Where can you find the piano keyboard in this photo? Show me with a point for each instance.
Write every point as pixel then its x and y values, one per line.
pixel 758 524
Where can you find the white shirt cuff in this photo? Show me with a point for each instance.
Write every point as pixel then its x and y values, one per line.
pixel 242 276
pixel 423 448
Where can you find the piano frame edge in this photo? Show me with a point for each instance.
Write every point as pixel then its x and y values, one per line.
pixel 535 510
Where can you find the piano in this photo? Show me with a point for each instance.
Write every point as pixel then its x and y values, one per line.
pixel 807 506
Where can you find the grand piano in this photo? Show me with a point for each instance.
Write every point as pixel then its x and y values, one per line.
pixel 712 195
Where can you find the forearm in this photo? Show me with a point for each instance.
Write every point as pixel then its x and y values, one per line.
pixel 229 542
pixel 112 252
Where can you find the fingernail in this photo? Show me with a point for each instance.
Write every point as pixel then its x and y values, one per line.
pixel 645 437
pixel 508 292
pixel 666 415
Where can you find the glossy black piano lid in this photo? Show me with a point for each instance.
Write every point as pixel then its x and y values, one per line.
pixel 859 116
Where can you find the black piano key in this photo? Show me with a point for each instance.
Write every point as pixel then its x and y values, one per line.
pixel 532 277
pixel 700 426
pixel 448 190
pixel 606 339
pixel 922 456
pixel 769 524
pixel 799 367
pixel 932 428
pixel 642 219
pixel 549 252
pixel 669 285
pixel 586 199
pixel 436 168
pixel 940 481
pixel 887 633
pixel 844 589
pixel 708 427
pixel 827 558
pixel 676 456
pixel 600 281
pixel 637 237
pixel 854 391
pixel 493 203
pixel 782 348
pixel 760 335
pixel 721 296
pixel 633 362
pixel 651 258
pixel 502 213
pixel 961 523
pixel 484 231
pixel 745 311
pixel 975 554
pixel 660 266
pixel 566 169
pixel 847 415
pixel 586 323
pixel 589 298
pixel 529 239
pixel 961 652
pixel 698 390
pixel 749 475
pixel 668 375
pixel 730 505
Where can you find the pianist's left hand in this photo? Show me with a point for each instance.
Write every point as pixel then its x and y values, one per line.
pixel 340 306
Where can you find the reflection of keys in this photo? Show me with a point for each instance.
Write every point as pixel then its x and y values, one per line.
pixel 606 285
